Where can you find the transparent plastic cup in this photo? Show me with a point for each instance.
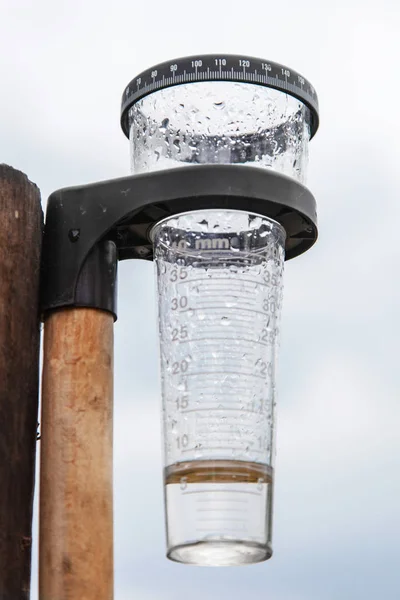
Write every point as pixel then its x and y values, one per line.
pixel 219 275
pixel 220 122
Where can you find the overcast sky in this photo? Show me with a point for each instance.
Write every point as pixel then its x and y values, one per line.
pixel 63 67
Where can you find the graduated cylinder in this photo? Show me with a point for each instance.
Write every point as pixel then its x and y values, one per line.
pixel 219 277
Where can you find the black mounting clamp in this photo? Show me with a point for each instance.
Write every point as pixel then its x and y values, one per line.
pixel 89 228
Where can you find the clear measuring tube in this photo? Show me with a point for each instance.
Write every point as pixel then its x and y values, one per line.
pixel 219 276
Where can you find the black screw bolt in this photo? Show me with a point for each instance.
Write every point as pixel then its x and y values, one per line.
pixel 74 234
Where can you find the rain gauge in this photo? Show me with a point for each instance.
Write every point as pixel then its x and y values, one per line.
pixel 217 199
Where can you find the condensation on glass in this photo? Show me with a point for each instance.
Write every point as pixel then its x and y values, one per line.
pixel 219 275
pixel 220 122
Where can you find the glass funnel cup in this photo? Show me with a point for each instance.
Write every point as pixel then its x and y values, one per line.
pixel 220 122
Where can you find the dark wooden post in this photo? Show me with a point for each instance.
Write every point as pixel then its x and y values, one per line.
pixel 21 224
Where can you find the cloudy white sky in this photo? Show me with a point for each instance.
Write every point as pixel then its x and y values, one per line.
pixel 63 67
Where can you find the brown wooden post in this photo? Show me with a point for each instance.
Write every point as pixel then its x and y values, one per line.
pixel 76 518
pixel 21 224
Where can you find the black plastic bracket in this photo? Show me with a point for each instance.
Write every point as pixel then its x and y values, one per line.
pixel 89 228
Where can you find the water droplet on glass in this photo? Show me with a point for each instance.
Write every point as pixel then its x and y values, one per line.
pixel 164 125
pixel 219 105
pixel 235 244
pixel 225 321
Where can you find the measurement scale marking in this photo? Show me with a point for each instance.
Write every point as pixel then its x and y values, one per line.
pixel 234 392
pixel 222 432
pixel 233 355
pixel 209 280
pixel 222 366
pixel 237 500
pixel 202 373
pixel 250 310
pixel 224 339
pixel 226 351
pixel 241 510
pixel 241 410
pixel 222 519
pixel 222 491
pixel 240 321
pixel 230 530
pixel 216 292
pixel 187 70
pixel 214 340
pixel 233 362
pixel 215 297
pixel 217 448
pixel 228 392
pixel 211 339
pixel 217 361
pixel 239 407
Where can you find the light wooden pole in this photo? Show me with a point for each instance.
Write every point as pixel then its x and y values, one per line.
pixel 76 500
